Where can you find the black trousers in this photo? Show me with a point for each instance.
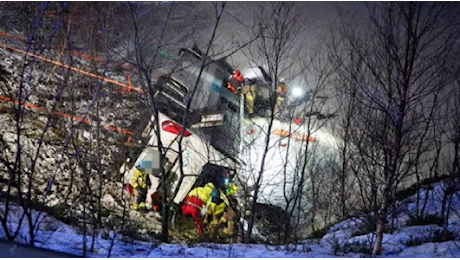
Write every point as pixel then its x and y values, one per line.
pixel 142 194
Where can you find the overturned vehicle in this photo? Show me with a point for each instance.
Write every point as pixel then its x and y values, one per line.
pixel 219 142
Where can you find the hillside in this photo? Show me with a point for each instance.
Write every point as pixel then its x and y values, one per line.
pixel 343 239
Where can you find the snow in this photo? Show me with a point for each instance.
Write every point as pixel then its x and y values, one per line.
pixel 55 235
pixel 61 237
pixel 394 244
pixel 445 249
pixel 64 238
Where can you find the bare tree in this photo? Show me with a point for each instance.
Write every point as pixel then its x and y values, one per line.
pixel 146 64
pixel 279 28
pixel 452 160
pixel 23 168
pixel 309 171
pixel 54 92
pixel 405 60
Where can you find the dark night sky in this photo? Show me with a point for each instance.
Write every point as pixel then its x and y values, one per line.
pixel 318 16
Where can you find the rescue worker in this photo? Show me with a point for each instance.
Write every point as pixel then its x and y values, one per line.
pixel 230 189
pixel 197 202
pixel 157 200
pixel 236 81
pixel 249 92
pixel 140 183
pixel 217 207
pixel 228 220
pixel 281 92
pixel 220 202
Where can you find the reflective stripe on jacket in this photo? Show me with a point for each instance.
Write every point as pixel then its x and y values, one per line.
pixel 140 179
pixel 203 193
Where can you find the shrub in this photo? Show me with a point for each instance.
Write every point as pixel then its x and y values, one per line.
pixel 7 109
pixel 51 226
pixel 319 233
pixel 366 227
pixel 435 237
pixel 425 220
pixel 406 193
pixel 105 212
pixel 3 180
pixel 357 247
pixel 443 235
pixel 412 190
pixel 59 210
pixel 130 230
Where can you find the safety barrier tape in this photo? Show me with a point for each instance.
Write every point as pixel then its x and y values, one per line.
pixel 12 36
pixel 75 118
pixel 75 53
pixel 73 68
pixel 127 68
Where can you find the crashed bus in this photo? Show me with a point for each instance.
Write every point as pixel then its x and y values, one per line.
pixel 211 139
pixel 199 159
pixel 219 141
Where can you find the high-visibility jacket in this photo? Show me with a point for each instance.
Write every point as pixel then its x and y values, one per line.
pixel 203 193
pixel 231 189
pixel 140 178
pixel 219 203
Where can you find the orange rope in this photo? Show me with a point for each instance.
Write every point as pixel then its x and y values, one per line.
pixel 71 68
pixel 75 53
pixel 75 118
pixel 12 36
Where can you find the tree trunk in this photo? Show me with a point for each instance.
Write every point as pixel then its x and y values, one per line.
pixel 377 250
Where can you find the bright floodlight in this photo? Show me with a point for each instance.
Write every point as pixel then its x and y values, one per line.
pixel 297 92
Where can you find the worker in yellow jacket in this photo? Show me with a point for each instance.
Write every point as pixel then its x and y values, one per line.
pixel 249 92
pixel 281 92
pixel 197 202
pixel 219 203
pixel 140 183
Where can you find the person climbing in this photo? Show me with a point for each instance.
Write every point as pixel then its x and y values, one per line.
pixel 236 81
pixel 197 202
pixel 140 183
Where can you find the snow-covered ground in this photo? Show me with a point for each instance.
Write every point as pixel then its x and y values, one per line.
pixel 61 237
pixel 394 244
pixel 55 235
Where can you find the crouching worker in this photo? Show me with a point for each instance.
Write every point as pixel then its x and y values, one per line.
pixel 221 201
pixel 228 221
pixel 196 204
pixel 230 216
pixel 140 183
pixel 217 207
